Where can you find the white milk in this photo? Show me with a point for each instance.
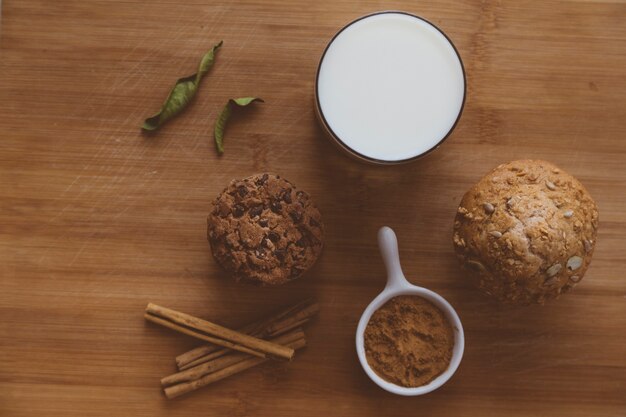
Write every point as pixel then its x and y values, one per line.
pixel 390 86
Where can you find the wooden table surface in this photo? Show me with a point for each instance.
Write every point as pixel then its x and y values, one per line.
pixel 96 219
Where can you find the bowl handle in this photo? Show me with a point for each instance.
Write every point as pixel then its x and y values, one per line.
pixel 388 246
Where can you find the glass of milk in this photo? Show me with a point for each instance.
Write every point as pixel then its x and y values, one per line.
pixel 390 88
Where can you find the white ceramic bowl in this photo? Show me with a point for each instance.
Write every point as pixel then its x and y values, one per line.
pixel 398 285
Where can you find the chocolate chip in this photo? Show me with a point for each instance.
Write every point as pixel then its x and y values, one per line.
pixel 280 254
pixel 295 216
pixel 301 242
pixel 313 222
pixel 255 211
pixel 238 210
pixel 262 180
pixel 273 236
pixel 309 237
pixel 242 190
pixel 263 222
pixel 286 196
pixel 275 206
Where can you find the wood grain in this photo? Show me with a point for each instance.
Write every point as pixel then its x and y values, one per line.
pixel 97 219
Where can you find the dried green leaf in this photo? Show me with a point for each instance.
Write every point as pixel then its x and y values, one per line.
pixel 182 93
pixel 220 123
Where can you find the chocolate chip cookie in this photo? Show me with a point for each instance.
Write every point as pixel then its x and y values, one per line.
pixel 264 230
pixel 526 232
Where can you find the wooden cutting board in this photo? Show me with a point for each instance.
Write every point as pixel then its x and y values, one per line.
pixel 96 219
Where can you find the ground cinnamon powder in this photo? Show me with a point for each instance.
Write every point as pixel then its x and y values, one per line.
pixel 408 341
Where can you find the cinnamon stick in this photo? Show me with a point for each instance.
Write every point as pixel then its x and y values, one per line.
pixel 186 387
pixel 275 325
pixel 205 330
pixel 197 335
pixel 220 363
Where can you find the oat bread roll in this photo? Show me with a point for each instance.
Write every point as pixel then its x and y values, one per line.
pixel 264 230
pixel 525 233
